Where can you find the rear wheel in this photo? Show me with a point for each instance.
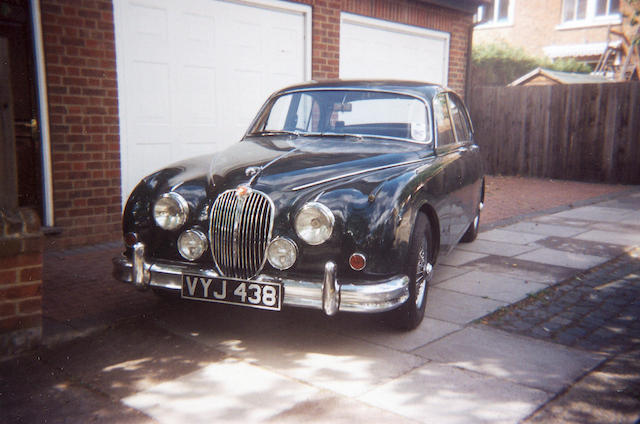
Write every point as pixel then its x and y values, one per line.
pixel 472 231
pixel 419 270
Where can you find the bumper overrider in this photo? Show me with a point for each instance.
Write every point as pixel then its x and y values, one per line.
pixel 327 294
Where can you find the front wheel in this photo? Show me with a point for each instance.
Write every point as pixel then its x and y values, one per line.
pixel 419 270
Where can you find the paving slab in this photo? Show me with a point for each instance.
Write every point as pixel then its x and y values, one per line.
pixel 545 229
pixel 379 331
pixel 587 247
pixel 595 213
pixel 444 272
pixel 291 345
pixel 558 220
pixel 443 394
pixel 493 286
pixel 229 391
pixel 522 269
pixel 513 237
pixel 33 391
pixel 328 408
pixel 624 239
pixel 459 257
pixel 530 362
pixel 562 258
pixel 458 308
pixel 495 248
pixel 129 358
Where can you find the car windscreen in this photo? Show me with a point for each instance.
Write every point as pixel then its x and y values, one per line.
pixel 347 112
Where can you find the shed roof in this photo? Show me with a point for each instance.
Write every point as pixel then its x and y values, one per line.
pixel 559 77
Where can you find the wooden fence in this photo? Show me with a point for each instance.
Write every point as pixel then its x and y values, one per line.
pixel 587 132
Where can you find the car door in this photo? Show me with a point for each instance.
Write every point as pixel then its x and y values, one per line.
pixel 448 156
pixel 469 167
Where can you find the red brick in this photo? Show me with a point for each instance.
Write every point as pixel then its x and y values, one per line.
pixel 7 310
pixel 30 306
pixel 8 276
pixel 21 291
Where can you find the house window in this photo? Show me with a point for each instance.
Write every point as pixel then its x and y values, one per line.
pixel 496 13
pixel 589 11
pixel 607 7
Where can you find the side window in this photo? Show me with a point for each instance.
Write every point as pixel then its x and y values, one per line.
pixel 459 116
pixel 443 120
pixel 305 113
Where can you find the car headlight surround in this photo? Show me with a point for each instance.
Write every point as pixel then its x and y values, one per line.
pixel 282 253
pixel 192 244
pixel 170 211
pixel 314 223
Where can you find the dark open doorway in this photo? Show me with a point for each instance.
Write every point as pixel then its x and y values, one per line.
pixel 15 26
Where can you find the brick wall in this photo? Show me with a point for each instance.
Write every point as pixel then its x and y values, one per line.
pixel 83 111
pixel 20 281
pixel 535 26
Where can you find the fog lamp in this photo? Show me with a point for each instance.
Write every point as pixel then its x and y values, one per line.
pixel 282 253
pixel 192 244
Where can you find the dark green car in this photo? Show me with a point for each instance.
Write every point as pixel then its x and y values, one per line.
pixel 340 197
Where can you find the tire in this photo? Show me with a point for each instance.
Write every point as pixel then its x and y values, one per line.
pixel 472 232
pixel 419 268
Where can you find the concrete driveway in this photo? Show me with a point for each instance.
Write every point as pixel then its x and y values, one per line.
pixel 192 362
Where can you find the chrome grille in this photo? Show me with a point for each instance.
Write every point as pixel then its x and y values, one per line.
pixel 240 231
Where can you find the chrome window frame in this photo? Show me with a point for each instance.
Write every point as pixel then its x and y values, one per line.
pixel 269 103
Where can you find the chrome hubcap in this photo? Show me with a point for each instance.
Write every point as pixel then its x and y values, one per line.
pixel 423 274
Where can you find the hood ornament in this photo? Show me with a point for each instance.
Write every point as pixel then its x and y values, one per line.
pixel 252 170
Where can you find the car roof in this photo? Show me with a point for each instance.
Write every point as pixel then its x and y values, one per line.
pixel 414 88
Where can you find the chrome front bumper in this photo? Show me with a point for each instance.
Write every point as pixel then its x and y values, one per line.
pixel 327 294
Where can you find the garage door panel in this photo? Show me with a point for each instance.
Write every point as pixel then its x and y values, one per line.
pixel 149 87
pixel 146 158
pixel 372 48
pixel 196 104
pixel 198 40
pixel 193 73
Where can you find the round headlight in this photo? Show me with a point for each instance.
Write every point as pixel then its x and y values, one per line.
pixel 282 253
pixel 192 244
pixel 170 211
pixel 314 223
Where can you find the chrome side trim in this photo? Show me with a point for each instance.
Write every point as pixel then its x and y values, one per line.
pixel 364 297
pixel 354 173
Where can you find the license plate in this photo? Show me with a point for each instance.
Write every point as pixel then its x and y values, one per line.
pixel 254 294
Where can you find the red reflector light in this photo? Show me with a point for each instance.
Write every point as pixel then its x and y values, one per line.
pixel 357 261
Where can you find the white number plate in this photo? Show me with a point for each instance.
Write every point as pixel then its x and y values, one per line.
pixel 254 294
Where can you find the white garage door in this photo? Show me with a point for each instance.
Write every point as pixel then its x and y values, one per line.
pixel 193 73
pixel 372 48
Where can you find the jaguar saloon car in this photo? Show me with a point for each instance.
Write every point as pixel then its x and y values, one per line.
pixel 340 197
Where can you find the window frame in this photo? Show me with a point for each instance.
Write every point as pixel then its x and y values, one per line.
pixel 494 22
pixel 591 18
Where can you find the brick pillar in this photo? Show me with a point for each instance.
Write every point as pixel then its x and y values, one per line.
pixel 20 281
